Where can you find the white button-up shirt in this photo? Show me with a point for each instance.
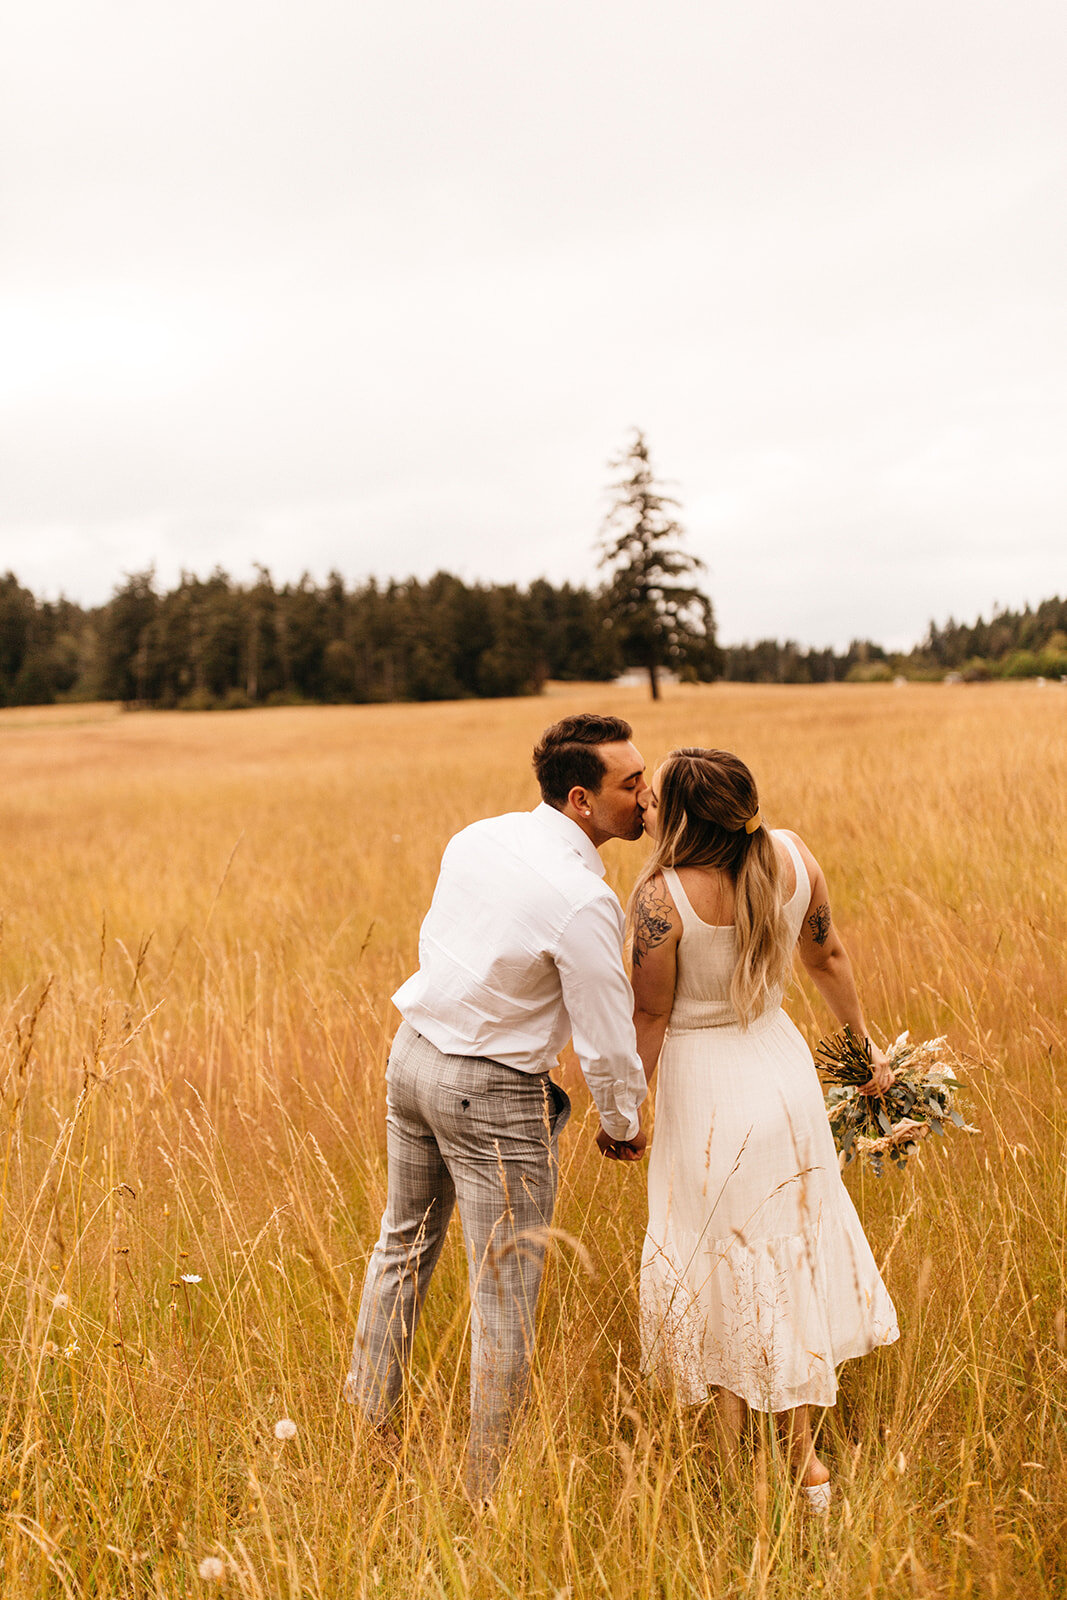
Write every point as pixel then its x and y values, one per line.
pixel 521 948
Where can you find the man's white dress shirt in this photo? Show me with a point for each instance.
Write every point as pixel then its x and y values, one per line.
pixel 522 948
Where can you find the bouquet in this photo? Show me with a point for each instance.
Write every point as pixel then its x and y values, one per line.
pixel 921 1098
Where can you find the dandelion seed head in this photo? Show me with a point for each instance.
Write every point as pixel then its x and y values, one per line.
pixel 212 1569
pixel 61 1301
pixel 285 1428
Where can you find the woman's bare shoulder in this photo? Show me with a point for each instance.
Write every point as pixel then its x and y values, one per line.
pixel 654 895
pixel 795 838
pixel 785 859
pixel 655 915
pixel 811 865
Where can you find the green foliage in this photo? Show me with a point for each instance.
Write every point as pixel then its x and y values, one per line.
pixel 768 661
pixel 869 672
pixel 39 647
pixel 214 643
pixel 659 618
pixel 1015 644
pixel 1034 664
pixel 1023 644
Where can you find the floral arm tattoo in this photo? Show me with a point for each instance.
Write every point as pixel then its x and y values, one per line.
pixel 652 922
pixel 819 923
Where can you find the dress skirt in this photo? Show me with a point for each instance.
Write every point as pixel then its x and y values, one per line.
pixel 756 1275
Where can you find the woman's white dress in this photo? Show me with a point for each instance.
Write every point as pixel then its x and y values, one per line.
pixel 756 1275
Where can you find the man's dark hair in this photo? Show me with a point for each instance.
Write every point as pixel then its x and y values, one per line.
pixel 567 757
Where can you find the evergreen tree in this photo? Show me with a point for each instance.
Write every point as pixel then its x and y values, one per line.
pixel 129 646
pixel 660 619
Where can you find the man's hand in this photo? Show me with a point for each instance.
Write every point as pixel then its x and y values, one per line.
pixel 622 1149
pixel 881 1073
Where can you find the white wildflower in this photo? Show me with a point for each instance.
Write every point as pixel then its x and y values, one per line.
pixel 71 1350
pixel 285 1428
pixel 212 1569
pixel 191 1277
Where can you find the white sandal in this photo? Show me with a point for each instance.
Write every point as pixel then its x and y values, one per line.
pixel 816 1498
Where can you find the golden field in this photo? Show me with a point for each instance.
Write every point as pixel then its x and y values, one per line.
pixel 203 919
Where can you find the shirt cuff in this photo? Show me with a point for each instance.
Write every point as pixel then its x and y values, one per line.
pixel 613 1129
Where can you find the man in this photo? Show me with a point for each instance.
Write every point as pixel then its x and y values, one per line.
pixel 522 947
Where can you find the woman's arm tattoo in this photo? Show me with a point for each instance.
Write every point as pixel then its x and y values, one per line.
pixel 819 923
pixel 652 922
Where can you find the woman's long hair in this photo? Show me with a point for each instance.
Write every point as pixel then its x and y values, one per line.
pixel 706 798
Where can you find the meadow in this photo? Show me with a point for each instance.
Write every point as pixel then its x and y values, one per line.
pixel 203 917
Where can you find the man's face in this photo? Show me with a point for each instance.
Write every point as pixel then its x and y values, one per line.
pixel 615 811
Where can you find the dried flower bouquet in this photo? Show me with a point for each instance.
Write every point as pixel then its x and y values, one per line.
pixel 921 1098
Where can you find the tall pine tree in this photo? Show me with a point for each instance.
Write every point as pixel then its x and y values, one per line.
pixel 661 620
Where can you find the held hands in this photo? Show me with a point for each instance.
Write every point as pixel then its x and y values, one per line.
pixel 621 1149
pixel 881 1074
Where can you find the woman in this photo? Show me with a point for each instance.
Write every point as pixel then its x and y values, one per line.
pixel 756 1278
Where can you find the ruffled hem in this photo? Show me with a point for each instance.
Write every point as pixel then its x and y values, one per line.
pixel 770 1320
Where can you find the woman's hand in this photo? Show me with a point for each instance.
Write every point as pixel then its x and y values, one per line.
pixel 881 1073
pixel 622 1149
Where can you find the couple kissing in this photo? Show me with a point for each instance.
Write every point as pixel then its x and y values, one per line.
pixel 756 1278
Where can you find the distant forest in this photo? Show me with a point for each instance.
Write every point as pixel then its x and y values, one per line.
pixel 214 642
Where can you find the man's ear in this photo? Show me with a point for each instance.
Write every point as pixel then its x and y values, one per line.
pixel 579 799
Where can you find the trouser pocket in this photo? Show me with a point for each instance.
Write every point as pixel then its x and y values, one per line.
pixel 561 1102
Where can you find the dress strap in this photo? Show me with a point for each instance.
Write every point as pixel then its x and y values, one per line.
pixel 803 882
pixel 681 899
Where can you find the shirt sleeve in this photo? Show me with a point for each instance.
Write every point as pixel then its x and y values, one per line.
pixel 599 1003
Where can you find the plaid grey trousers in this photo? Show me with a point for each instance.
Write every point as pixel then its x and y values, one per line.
pixel 469 1132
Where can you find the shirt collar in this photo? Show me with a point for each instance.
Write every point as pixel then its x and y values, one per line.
pixel 567 829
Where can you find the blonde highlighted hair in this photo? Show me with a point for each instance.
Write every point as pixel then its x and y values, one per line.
pixel 706 798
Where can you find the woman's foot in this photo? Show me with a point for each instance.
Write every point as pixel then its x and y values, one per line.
pixel 816 1498
pixel 816 1474
pixel 815 1487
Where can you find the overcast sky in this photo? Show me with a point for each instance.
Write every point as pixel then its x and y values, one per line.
pixel 382 287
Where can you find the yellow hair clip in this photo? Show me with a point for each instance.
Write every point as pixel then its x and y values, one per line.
pixel 753 823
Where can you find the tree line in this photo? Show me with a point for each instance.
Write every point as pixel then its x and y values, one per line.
pixel 214 642
pixel 1012 644
pixel 1031 643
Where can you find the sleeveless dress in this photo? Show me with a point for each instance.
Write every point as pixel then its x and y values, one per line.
pixel 756 1275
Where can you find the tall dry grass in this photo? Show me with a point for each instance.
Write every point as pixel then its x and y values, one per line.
pixel 203 918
